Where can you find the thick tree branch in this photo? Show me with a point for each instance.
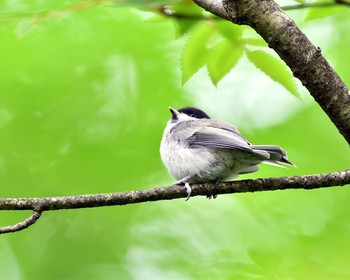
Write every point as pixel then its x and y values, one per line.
pixel 304 59
pixel 39 205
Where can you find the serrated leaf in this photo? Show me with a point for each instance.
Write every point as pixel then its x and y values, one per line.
pixel 195 51
pixel 323 12
pixel 221 59
pixel 230 31
pixel 274 68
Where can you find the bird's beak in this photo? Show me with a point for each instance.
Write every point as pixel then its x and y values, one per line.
pixel 174 112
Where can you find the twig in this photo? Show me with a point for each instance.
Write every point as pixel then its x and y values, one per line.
pixel 22 225
pixel 169 12
pixel 316 5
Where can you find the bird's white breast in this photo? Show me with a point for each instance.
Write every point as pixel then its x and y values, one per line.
pixel 182 161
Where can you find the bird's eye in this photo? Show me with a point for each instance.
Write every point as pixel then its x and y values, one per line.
pixel 193 116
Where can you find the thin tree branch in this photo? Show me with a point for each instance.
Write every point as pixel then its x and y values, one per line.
pixel 38 205
pixel 295 49
pixel 22 225
pixel 168 11
pixel 316 5
pixel 339 178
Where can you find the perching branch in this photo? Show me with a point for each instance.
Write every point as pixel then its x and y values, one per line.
pixel 39 205
pixel 304 59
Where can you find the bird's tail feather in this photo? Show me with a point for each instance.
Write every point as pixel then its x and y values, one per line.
pixel 277 154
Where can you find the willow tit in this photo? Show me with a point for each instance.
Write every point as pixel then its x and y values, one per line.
pixel 197 149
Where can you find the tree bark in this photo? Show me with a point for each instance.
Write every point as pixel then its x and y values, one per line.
pixel 315 181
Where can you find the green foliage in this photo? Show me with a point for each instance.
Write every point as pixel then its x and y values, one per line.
pixel 204 47
pixel 195 51
pixel 209 44
pixel 274 68
pixel 187 14
pixel 222 59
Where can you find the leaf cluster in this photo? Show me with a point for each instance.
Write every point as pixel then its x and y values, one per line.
pixel 219 45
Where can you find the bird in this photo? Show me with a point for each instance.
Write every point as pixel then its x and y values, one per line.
pixel 197 149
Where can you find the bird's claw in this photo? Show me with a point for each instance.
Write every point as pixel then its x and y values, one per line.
pixel 184 181
pixel 188 190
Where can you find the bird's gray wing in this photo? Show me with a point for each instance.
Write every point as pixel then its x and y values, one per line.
pixel 219 135
pixel 213 134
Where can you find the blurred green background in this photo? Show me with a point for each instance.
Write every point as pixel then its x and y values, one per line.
pixel 83 103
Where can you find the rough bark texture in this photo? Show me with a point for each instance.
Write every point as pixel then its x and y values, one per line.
pixel 22 225
pixel 172 192
pixel 38 205
pixel 304 59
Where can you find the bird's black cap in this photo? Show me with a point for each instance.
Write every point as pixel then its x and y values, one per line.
pixel 194 112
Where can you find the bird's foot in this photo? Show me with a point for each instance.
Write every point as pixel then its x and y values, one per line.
pixel 214 195
pixel 210 196
pixel 184 181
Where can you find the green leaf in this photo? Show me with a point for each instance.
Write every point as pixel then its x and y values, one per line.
pixel 187 7
pixel 223 57
pixel 195 51
pixel 185 25
pixel 230 31
pixel 186 14
pixel 274 68
pixel 225 54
